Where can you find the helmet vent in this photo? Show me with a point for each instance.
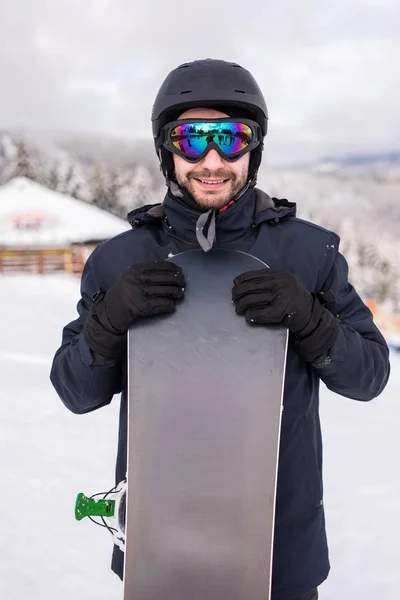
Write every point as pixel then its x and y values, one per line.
pixel 186 91
pixel 240 91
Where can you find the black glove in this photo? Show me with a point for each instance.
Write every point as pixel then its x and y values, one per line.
pixel 146 289
pixel 269 296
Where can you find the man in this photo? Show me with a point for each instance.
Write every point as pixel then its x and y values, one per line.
pixel 209 121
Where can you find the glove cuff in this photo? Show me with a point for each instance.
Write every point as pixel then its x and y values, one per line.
pixel 318 336
pixel 101 336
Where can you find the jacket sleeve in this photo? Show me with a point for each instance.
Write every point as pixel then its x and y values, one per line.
pixel 84 380
pixel 357 365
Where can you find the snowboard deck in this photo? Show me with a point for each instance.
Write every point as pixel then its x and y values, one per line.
pixel 205 403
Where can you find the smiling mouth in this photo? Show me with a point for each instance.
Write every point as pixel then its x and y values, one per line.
pixel 212 181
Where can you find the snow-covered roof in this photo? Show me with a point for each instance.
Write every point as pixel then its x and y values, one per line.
pixel 32 215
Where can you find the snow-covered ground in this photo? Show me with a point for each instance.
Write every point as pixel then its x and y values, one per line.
pixel 47 455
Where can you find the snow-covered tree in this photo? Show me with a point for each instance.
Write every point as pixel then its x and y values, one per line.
pixel 24 162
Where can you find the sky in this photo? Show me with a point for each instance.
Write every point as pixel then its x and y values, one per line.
pixel 328 68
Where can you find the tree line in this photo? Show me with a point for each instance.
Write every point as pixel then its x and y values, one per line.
pixel 119 188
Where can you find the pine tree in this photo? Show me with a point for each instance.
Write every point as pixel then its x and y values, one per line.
pixel 25 162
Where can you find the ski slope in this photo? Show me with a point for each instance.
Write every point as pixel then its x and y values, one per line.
pixel 48 455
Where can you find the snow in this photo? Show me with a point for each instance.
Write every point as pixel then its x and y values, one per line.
pixel 32 215
pixel 48 455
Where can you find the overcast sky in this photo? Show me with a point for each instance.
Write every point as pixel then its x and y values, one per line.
pixel 329 69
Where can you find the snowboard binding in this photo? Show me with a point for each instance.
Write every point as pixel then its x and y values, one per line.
pixel 110 507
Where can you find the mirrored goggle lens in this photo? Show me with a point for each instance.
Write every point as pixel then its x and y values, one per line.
pixel 193 138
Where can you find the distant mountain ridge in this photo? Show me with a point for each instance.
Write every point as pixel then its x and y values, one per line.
pixel 350 160
pixel 87 147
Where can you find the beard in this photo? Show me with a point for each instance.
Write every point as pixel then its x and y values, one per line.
pixel 209 197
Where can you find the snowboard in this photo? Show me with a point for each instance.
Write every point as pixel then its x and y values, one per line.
pixel 204 412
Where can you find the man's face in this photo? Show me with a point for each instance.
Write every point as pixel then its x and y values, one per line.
pixel 199 178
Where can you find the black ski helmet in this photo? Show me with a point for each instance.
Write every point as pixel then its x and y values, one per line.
pixel 209 83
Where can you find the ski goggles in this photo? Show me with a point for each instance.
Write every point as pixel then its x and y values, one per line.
pixel 193 138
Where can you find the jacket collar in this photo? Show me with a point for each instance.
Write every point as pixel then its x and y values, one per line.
pixel 227 225
pixel 248 212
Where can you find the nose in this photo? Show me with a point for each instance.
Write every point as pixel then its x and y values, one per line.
pixel 212 160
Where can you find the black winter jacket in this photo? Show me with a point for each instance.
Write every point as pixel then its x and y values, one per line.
pixel 357 366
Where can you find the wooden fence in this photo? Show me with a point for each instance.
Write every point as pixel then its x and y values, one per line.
pixel 47 260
